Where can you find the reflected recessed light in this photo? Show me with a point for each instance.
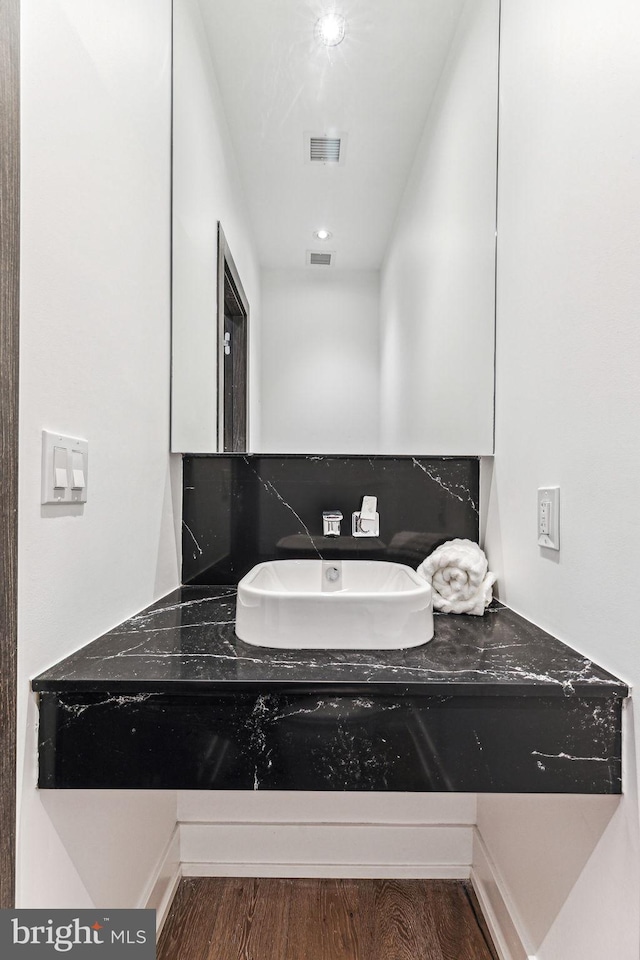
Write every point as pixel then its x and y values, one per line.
pixel 330 29
pixel 322 234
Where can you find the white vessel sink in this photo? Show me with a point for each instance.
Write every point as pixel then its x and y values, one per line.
pixel 334 605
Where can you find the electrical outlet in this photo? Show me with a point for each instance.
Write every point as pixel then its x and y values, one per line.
pixel 549 517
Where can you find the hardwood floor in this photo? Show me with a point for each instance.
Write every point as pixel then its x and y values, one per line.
pixel 269 919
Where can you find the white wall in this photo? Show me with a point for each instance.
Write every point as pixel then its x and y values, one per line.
pixel 437 283
pixel 568 413
pixel 319 361
pixel 206 189
pixel 95 331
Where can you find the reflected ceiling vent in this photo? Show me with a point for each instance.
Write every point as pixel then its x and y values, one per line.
pixel 324 148
pixel 320 258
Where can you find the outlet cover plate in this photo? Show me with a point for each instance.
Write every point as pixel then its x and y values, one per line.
pixel 550 497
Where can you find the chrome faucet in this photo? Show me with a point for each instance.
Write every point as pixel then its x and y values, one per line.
pixel 365 522
pixel 331 523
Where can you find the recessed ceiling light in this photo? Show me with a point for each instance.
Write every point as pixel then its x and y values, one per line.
pixel 322 234
pixel 330 29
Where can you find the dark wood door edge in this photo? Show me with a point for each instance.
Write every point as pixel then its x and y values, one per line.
pixel 9 304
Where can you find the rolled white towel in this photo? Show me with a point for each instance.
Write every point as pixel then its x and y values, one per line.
pixel 458 574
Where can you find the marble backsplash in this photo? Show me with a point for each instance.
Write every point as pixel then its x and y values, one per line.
pixel 241 509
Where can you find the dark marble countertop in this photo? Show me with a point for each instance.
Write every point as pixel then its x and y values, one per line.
pixel 186 643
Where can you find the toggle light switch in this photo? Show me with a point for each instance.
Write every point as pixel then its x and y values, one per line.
pixel 77 470
pixel 64 468
pixel 60 475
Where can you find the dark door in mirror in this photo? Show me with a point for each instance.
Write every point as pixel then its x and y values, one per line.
pixel 233 354
pixel 234 369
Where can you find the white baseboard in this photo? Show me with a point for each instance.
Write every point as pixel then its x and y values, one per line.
pixel 496 907
pixel 165 881
pixel 428 851
pixel 372 871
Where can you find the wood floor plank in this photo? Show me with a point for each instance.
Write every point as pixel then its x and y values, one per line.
pixel 341 926
pixel 232 923
pixel 280 919
pixel 449 913
pixel 263 928
pixel 189 927
pixel 251 920
pixel 480 920
pixel 233 919
pixel 302 929
pixel 401 932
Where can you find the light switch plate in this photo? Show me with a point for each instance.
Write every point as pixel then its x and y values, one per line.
pixel 64 468
pixel 549 517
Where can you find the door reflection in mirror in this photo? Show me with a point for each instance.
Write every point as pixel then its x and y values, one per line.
pixel 233 357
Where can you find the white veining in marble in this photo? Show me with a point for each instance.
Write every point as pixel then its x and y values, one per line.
pixel 270 488
pixel 448 489
pixel 568 756
pixel 191 534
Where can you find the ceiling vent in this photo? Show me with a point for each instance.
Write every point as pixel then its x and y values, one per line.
pixel 319 258
pixel 323 148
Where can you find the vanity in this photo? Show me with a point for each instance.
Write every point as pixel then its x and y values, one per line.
pixel 173 699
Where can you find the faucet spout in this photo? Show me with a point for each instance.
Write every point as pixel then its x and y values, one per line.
pixel 331 523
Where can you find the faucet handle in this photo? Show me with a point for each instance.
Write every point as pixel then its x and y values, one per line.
pixel 366 521
pixel 331 523
pixel 368 508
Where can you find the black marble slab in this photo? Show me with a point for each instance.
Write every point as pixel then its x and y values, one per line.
pixel 335 741
pixel 242 509
pixel 173 699
pixel 187 643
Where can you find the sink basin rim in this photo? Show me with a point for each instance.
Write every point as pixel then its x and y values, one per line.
pixel 419 586
pixel 303 616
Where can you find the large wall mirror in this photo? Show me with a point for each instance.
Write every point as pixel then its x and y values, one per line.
pixel 351 162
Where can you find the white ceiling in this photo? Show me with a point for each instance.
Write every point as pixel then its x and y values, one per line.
pixel 277 81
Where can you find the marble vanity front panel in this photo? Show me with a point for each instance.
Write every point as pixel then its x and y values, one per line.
pixel 242 509
pixel 336 739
